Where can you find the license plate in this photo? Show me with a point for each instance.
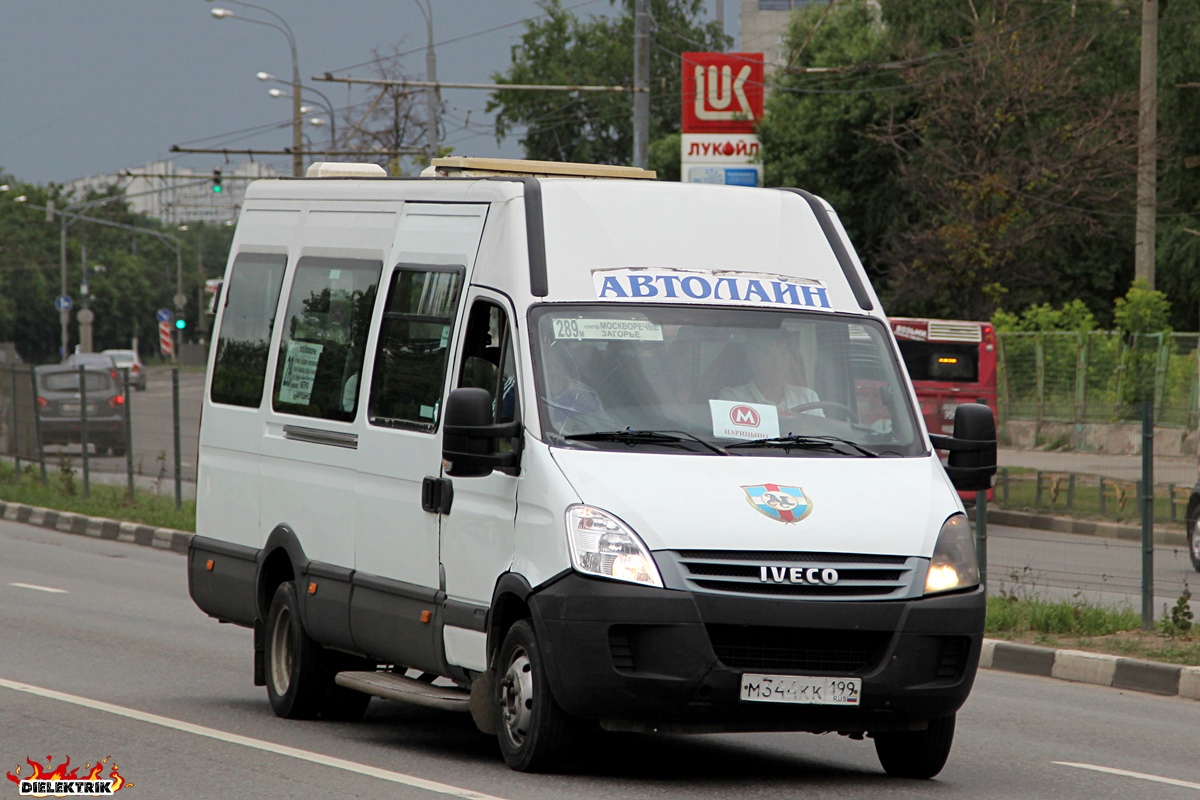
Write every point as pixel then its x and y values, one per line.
pixel 801 689
pixel 949 410
pixel 70 408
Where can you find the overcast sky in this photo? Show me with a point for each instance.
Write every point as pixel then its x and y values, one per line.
pixel 96 86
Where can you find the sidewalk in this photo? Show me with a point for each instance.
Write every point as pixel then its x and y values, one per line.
pixel 1180 470
pixel 1069 665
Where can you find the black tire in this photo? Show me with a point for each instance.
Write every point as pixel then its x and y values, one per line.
pixel 297 682
pixel 339 703
pixel 916 754
pixel 535 734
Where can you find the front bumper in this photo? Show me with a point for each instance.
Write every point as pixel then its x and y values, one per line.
pixel 640 658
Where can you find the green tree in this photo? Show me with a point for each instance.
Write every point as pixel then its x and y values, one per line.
pixel 1142 310
pixel 1071 316
pixel 815 131
pixel 596 127
pixel 1014 162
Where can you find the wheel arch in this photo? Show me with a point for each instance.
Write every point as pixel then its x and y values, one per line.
pixel 510 602
pixel 283 560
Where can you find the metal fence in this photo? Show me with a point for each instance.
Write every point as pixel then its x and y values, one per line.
pixel 1099 376
pixel 155 450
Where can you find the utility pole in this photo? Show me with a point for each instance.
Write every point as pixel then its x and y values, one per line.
pixel 431 92
pixel 1143 265
pixel 641 84
pixel 720 15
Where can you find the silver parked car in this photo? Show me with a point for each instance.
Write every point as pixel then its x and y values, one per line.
pixel 128 359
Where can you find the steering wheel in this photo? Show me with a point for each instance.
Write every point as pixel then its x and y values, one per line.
pixel 846 413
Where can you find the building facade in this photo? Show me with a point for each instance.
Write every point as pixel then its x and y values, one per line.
pixel 176 195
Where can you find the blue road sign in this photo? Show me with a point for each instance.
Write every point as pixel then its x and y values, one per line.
pixel 63 302
pixel 163 315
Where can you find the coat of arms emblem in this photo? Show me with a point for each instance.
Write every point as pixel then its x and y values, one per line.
pixel 783 503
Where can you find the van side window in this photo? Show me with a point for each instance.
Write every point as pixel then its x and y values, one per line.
pixel 324 336
pixel 488 359
pixel 414 343
pixel 251 298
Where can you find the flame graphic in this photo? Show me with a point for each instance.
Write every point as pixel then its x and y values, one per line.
pixel 60 773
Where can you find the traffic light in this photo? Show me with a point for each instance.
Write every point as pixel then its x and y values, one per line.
pixel 180 323
pixel 216 182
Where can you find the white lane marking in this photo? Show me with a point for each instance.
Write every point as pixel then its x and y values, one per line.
pixel 246 741
pixel 1127 774
pixel 50 589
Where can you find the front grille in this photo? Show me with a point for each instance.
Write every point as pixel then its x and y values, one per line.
pixel 760 647
pixel 742 572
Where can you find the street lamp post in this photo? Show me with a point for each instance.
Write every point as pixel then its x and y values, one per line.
pixel 326 103
pixel 286 30
pixel 431 92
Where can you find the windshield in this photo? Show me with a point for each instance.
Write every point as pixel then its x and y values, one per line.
pixel 719 381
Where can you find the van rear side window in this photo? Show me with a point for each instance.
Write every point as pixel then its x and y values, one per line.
pixel 414 342
pixel 244 341
pixel 324 336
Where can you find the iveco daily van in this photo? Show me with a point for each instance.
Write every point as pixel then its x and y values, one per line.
pixel 566 447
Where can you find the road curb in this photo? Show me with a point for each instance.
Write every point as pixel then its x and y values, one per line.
pixel 97 527
pixel 1081 527
pixel 1119 672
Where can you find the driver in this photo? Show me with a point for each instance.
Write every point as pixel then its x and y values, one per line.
pixel 774 364
pixel 566 394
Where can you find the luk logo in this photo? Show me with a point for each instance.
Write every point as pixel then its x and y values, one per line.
pixel 59 781
pixel 722 92
pixel 744 416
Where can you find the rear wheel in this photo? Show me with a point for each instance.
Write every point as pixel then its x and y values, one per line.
pixel 535 734
pixel 296 682
pixel 916 754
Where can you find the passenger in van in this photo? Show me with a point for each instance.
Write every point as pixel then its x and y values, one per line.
pixel 566 394
pixel 774 365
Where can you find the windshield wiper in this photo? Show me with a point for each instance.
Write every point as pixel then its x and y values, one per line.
pixel 833 443
pixel 644 437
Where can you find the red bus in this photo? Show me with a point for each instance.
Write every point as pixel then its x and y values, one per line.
pixel 951 362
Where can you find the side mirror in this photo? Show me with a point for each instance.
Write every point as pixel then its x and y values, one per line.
pixel 469 436
pixel 972 449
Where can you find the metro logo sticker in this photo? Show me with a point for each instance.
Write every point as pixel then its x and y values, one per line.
pixel 723 287
pixel 732 419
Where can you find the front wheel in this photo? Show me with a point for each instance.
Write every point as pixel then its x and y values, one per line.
pixel 535 733
pixel 916 754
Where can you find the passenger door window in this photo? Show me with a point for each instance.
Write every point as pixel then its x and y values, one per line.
pixel 324 338
pixel 250 299
pixel 488 361
pixel 414 342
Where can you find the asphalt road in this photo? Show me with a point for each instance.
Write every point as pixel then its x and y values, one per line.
pixel 104 655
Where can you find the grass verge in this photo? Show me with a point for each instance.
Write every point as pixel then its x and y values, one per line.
pixel 1077 625
pixel 63 491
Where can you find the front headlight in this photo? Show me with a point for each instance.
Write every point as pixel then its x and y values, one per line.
pixel 953 565
pixel 602 545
